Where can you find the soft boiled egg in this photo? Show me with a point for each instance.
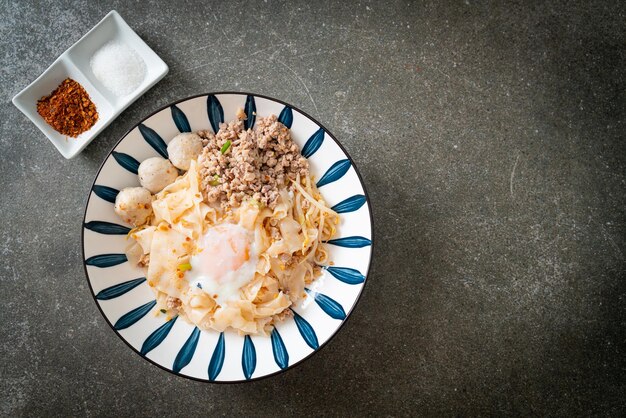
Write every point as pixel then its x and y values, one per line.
pixel 226 261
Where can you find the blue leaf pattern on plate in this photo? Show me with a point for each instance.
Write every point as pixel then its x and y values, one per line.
pixel 106 193
pixel 171 355
pixel 328 305
pixel 335 172
pixel 119 289
pixel 346 275
pixel 313 143
pixel 186 353
pixel 306 330
pixel 154 139
pixel 217 359
pixel 286 117
pixel 248 357
pixel 133 316
pixel 351 242
pixel 126 161
pixel 157 336
pixel 281 356
pixel 250 110
pixel 106 260
pixel 216 113
pixel 180 119
pixel 350 204
pixel 107 228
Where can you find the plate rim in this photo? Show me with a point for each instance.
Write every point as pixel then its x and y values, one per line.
pixel 343 322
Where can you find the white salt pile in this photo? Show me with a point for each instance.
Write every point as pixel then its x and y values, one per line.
pixel 118 67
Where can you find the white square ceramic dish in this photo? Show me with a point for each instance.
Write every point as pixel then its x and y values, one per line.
pixel 74 63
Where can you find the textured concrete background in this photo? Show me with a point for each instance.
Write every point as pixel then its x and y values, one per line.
pixel 491 140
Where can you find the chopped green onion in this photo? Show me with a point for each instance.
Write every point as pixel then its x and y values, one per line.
pixel 183 267
pixel 163 311
pixel 225 147
pixel 215 181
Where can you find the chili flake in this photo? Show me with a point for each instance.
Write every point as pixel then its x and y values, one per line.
pixel 68 109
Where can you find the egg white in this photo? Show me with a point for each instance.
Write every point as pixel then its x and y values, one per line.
pixel 226 261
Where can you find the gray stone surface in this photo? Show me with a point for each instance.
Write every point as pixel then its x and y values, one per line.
pixel 491 139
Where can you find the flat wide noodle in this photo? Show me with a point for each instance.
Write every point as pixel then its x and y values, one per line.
pixel 168 247
pixel 287 239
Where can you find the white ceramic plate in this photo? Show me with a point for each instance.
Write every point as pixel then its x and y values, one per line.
pixel 74 63
pixel 128 303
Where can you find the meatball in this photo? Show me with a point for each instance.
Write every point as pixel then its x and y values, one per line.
pixel 134 205
pixel 156 173
pixel 184 148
